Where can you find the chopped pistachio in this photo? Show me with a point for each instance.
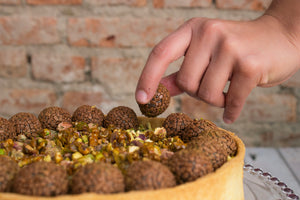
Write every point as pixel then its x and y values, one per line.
pixel 85 139
pixel 58 157
pixel 2 152
pixel 132 149
pixel 76 155
pixel 47 158
pixel 79 140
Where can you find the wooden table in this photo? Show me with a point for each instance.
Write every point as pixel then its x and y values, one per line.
pixel 283 163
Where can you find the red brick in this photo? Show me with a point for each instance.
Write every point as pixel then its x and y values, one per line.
pixel 54 2
pixel 243 4
pixel 13 101
pixel 138 3
pixel 74 99
pixel 270 108
pixel 10 2
pixel 199 109
pixel 180 3
pixel 13 63
pixel 20 30
pixel 294 81
pixel 288 139
pixel 119 32
pixel 118 74
pixel 58 67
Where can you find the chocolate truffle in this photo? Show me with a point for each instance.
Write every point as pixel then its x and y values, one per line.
pixel 7 129
pixel 121 117
pixel 191 132
pixel 26 124
pixel 148 175
pixel 158 104
pixel 88 114
pixel 223 138
pixel 188 165
pixel 52 116
pixel 175 124
pixel 8 170
pixel 98 177
pixel 41 179
pixel 204 124
pixel 213 150
pixel 196 128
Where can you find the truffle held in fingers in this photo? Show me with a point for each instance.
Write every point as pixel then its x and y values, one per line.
pixel 158 104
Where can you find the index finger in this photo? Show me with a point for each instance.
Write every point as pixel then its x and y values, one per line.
pixel 168 50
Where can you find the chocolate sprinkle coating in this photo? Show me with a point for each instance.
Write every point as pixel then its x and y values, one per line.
pixel 196 128
pixel 26 123
pixel 175 124
pixel 188 165
pixel 223 138
pixel 158 104
pixel 99 177
pixel 88 114
pixel 41 179
pixel 122 117
pixel 52 116
pixel 148 175
pixel 7 129
pixel 191 132
pixel 213 150
pixel 8 170
pixel 204 124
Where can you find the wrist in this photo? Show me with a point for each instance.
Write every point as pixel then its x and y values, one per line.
pixel 287 13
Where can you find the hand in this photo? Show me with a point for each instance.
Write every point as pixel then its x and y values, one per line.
pixel 248 54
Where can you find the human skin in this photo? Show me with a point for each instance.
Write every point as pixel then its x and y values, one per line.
pixel 263 52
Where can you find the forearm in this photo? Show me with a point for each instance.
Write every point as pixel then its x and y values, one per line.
pixel 287 12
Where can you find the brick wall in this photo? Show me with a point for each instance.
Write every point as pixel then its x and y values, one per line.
pixel 73 52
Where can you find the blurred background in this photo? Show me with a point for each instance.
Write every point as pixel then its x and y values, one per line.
pixel 73 52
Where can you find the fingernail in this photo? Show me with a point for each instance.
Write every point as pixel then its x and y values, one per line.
pixel 141 96
pixel 227 120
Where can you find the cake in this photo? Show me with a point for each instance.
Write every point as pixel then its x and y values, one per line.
pixel 119 156
pixel 225 182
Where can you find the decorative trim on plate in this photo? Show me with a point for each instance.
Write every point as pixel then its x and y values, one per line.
pixel 264 180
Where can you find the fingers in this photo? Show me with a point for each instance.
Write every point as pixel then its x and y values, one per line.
pixel 170 83
pixel 168 50
pixel 239 89
pixel 195 63
pixel 214 81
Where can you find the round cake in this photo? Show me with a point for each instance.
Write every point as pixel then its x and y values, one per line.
pixel 225 183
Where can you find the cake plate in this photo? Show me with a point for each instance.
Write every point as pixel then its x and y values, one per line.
pixel 260 185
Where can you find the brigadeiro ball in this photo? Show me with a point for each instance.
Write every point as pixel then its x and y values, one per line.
pixel 204 124
pixel 122 117
pixel 26 123
pixel 41 179
pixel 190 132
pixel 188 165
pixel 197 128
pixel 8 170
pixel 52 116
pixel 88 114
pixel 148 175
pixel 99 177
pixel 7 129
pixel 158 104
pixel 213 150
pixel 175 124
pixel 223 138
